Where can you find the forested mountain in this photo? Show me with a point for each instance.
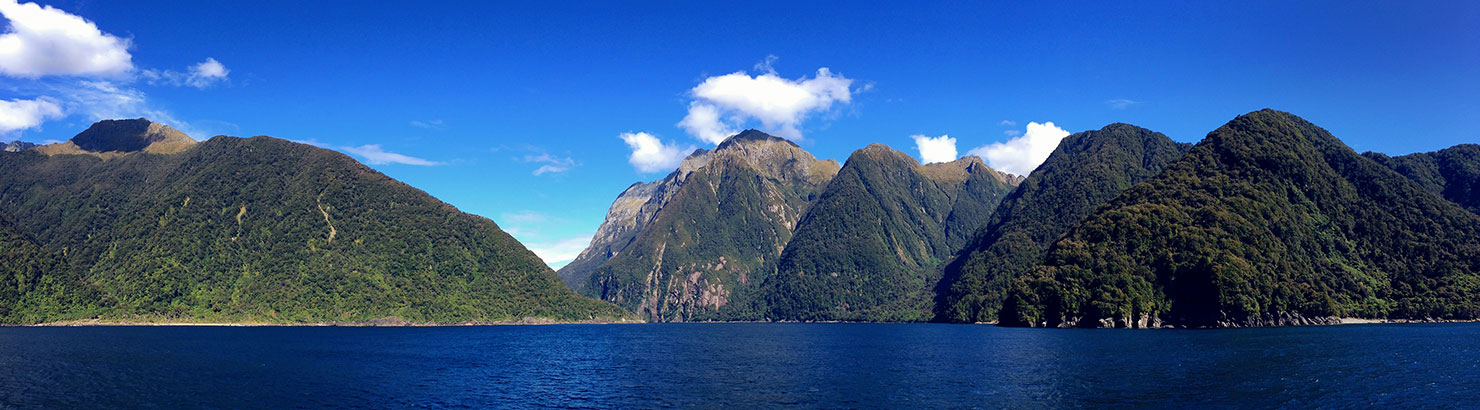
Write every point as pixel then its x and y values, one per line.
pixel 1453 172
pixel 870 248
pixel 628 215
pixel 710 242
pixel 35 285
pixel 1270 220
pixel 260 230
pixel 1086 170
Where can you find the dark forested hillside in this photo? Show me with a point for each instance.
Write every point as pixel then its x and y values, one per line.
pixel 1453 172
pixel 869 248
pixel 714 239
pixel 35 285
pixel 1270 220
pixel 266 230
pixel 1086 170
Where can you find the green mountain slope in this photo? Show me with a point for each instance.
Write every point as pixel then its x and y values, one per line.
pixel 1086 170
pixel 1268 221
pixel 869 248
pixel 267 230
pixel 712 240
pixel 35 285
pixel 1453 172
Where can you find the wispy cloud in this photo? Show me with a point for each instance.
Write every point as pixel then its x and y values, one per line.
pixel 373 154
pixel 551 164
pixel 1121 103
pixel 1008 123
pixel 428 124
pixel 202 75
pixel 558 253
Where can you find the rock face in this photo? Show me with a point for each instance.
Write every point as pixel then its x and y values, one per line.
pixel 869 249
pixel 109 138
pixel 710 240
pixel 1269 220
pixel 629 214
pixel 1453 172
pixel 16 146
pixel 1086 170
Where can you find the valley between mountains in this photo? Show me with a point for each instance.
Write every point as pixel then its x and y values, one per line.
pixel 1267 221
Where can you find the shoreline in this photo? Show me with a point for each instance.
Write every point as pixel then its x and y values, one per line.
pixel 370 323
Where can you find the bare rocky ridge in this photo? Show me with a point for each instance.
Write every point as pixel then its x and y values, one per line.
pixel 717 234
pixel 111 138
pixel 631 212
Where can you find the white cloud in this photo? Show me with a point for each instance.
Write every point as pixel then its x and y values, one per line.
pixel 203 75
pixel 42 40
pixel 552 164
pixel 937 149
pixel 429 124
pixel 1008 123
pixel 1121 103
pixel 725 103
pixel 21 114
pixel 649 154
pixel 557 253
pixel 1022 154
pixel 375 155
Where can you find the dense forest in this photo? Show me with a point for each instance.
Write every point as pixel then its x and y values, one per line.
pixel 1270 220
pixel 259 230
pixel 1084 171
pixel 869 249
pixel 1453 172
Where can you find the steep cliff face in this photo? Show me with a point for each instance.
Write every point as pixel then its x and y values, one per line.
pixel 713 239
pixel 1085 170
pixel 868 250
pixel 628 215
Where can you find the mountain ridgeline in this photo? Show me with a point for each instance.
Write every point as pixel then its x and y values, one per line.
pixel 129 221
pixel 1451 172
pixel 1270 220
pixel 715 238
pixel 870 248
pixel 1084 171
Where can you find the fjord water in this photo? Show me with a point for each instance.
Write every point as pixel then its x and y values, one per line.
pixel 738 365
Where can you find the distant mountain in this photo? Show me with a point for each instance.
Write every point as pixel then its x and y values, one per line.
pixel 628 215
pixel 869 249
pixel 1453 172
pixel 16 146
pixel 264 230
pixel 1086 170
pixel 1270 220
pixel 109 138
pixel 713 239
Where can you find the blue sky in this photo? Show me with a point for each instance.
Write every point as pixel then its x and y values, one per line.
pixel 468 100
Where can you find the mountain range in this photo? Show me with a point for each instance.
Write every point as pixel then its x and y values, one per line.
pixel 1269 220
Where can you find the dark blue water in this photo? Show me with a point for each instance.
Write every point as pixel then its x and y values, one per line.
pixel 738 366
